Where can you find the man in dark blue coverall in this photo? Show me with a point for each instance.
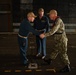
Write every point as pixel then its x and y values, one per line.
pixel 41 24
pixel 25 28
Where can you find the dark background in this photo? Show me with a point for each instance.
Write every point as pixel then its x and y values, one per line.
pixel 16 11
pixel 12 12
pixel 66 8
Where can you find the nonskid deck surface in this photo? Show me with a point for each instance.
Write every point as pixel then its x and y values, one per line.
pixel 10 57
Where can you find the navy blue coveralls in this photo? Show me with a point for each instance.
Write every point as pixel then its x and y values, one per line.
pixel 41 25
pixel 25 28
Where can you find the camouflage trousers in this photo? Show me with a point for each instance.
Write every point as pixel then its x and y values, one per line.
pixel 60 48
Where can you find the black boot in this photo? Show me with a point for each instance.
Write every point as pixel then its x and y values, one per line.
pixel 49 61
pixel 65 69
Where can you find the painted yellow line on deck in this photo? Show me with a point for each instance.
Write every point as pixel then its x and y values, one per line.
pixel 38 70
pixel 18 70
pixel 28 70
pixel 7 70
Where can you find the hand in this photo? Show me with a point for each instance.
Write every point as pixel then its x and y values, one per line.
pixel 42 36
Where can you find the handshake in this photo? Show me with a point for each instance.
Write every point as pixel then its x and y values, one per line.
pixel 42 36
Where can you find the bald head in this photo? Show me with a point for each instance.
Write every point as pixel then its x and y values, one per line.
pixel 53 14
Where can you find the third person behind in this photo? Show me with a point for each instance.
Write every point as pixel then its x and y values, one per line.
pixel 41 24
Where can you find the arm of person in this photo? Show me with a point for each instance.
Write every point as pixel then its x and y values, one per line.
pixel 31 29
pixel 54 29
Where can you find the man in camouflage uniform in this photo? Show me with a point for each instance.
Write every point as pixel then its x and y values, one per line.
pixel 58 30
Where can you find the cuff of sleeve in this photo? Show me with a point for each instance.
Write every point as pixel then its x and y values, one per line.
pixel 46 34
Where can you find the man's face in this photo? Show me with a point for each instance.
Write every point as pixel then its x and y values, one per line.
pixel 41 13
pixel 31 19
pixel 52 16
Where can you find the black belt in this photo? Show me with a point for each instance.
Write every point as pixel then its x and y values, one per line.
pixel 58 33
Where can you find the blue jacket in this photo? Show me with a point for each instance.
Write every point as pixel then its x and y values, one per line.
pixel 42 23
pixel 25 28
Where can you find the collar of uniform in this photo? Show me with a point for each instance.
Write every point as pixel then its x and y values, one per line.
pixel 56 18
pixel 41 18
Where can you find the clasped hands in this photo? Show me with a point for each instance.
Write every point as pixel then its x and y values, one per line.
pixel 42 35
